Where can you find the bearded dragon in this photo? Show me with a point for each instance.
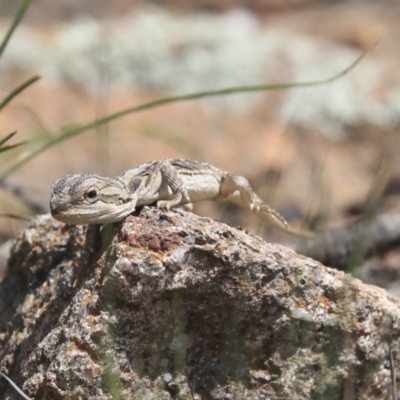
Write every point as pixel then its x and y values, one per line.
pixel 93 199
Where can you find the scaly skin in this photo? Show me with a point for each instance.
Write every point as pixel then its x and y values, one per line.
pixel 92 199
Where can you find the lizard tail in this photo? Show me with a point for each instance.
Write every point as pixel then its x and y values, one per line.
pixel 274 219
pixel 266 213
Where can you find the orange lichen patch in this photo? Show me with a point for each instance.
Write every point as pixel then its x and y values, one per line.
pixel 93 370
pixel 325 302
pixel 154 244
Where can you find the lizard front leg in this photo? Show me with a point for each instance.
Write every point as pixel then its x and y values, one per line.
pixel 171 180
pixel 238 190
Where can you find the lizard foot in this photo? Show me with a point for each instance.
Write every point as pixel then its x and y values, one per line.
pixel 164 204
pixel 257 206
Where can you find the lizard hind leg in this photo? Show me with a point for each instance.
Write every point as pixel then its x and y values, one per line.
pixel 168 204
pixel 237 189
pixel 171 179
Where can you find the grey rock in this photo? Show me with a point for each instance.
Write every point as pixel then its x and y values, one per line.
pixel 169 305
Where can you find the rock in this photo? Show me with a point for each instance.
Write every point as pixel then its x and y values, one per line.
pixel 5 249
pixel 169 305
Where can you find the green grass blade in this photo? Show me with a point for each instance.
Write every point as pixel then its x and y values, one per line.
pixel 12 146
pixel 18 90
pixel 8 137
pixel 15 216
pixel 76 130
pixel 20 14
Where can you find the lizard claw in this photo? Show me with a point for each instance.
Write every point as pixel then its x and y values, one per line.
pixel 175 201
pixel 255 207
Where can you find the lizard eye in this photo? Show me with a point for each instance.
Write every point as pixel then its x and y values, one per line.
pixel 91 194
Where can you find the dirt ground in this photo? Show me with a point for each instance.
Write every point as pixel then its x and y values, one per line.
pixel 313 180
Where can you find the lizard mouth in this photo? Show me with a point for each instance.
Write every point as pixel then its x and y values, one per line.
pixel 83 216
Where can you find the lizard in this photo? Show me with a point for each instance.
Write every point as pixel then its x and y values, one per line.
pixel 93 199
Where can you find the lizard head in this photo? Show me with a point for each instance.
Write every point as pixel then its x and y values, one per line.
pixel 90 199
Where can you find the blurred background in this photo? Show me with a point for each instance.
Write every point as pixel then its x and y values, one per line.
pixel 317 154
